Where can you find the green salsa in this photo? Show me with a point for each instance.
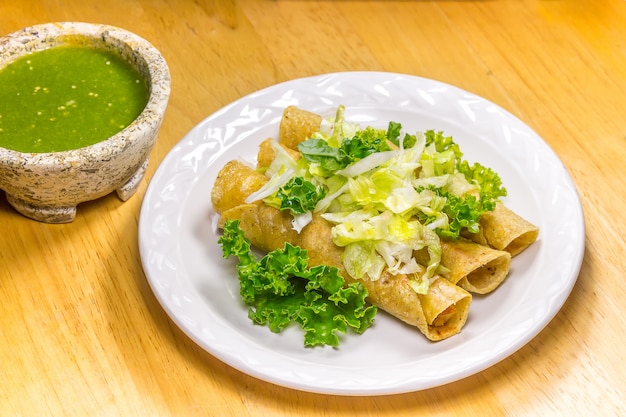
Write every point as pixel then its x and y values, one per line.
pixel 67 97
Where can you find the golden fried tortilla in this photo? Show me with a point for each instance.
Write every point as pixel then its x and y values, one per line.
pixel 297 125
pixel 505 230
pixel 267 153
pixel 476 268
pixel 236 181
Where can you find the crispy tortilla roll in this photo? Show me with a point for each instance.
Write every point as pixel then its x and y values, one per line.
pixel 267 154
pixel 504 230
pixel 297 125
pixel 443 303
pixel 237 181
pixel 475 268
pixel 438 315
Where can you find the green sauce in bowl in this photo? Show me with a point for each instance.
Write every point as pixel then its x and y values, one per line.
pixel 67 97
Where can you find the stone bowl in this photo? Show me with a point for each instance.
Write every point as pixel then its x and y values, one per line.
pixel 48 186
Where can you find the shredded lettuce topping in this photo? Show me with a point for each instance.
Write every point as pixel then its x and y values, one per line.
pixel 281 289
pixel 387 193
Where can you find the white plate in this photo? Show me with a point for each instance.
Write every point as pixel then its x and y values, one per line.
pixel 199 289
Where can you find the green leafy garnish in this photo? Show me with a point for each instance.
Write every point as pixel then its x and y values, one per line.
pixel 393 135
pixel 299 195
pixel 488 181
pixel 463 209
pixel 463 214
pixel 442 143
pixel 318 151
pixel 331 159
pixel 281 289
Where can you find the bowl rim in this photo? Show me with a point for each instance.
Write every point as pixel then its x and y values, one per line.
pixel 42 36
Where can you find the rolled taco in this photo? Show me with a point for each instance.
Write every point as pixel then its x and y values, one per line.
pixel 505 230
pixel 267 153
pixel 476 268
pixel 237 181
pixel 297 125
pixel 439 314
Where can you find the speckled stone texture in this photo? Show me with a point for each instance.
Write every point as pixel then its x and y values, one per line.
pixel 48 186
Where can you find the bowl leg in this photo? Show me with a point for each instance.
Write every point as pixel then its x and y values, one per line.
pixel 130 187
pixel 45 214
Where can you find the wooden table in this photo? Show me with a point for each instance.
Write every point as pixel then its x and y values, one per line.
pixel 82 333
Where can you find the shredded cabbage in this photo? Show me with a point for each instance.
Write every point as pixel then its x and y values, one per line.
pixel 387 194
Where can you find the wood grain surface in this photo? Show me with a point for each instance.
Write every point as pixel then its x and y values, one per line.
pixel 82 333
